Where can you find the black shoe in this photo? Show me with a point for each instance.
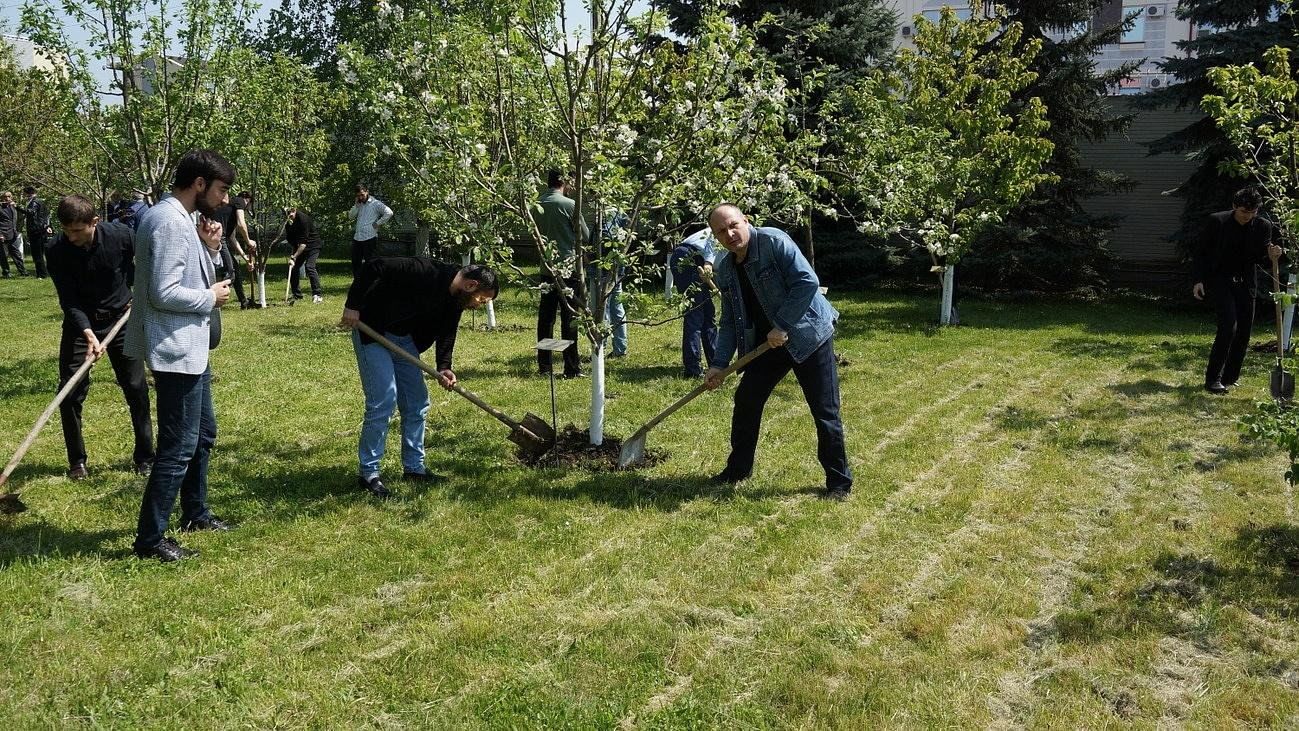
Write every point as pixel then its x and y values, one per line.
pixel 143 468
pixel 167 551
pixel 427 477
pixel 1215 387
pixel 726 477
pixel 1233 384
pixel 617 355
pixel 572 376
pixel 837 494
pixel 209 523
pixel 78 472
pixel 375 487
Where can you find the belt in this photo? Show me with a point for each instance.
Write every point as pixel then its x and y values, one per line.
pixel 107 316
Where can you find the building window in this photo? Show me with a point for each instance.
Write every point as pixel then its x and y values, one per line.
pixel 933 15
pixel 1137 32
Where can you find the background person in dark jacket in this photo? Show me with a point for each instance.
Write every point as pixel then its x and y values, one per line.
pixel 93 266
pixel 9 236
pixel 414 302
pixel 37 217
pixel 1231 245
pixel 304 249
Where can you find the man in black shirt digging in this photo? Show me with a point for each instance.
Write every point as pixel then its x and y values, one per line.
pixel 1231 245
pixel 414 302
pixel 93 266
pixel 304 249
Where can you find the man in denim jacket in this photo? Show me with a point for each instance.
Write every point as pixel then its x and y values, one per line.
pixel 769 291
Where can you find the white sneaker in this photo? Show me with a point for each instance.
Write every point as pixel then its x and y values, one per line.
pixel 317 299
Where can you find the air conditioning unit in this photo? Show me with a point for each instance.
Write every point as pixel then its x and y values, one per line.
pixel 906 31
pixel 1157 82
pixel 1156 11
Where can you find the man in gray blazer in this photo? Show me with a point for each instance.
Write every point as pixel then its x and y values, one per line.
pixel 175 321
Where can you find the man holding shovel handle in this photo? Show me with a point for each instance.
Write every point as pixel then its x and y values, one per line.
pixel 414 302
pixel 93 267
pixel 768 289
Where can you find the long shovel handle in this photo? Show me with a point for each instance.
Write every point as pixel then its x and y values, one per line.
pixel 58 399
pixel 737 365
pixel 473 397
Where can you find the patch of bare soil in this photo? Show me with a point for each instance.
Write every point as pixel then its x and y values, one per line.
pixel 573 449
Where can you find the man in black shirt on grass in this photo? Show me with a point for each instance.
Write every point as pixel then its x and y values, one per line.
pixel 38 228
pixel 93 266
pixel 304 249
pixel 1231 245
pixel 414 302
pixel 234 229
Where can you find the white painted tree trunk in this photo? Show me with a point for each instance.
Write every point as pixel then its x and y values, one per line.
pixel 597 394
pixel 261 287
pixel 667 283
pixel 949 282
pixel 491 315
pixel 1288 320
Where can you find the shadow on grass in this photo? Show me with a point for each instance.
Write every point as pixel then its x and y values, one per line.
pixel 1257 571
pixel 42 539
pixel 27 376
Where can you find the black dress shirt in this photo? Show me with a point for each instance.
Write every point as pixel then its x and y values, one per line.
pixel 94 284
pixel 409 295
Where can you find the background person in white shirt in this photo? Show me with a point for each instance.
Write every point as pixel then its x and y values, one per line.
pixel 369 213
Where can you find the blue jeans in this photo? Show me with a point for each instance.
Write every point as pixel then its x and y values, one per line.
pixel 614 312
pixel 390 382
pixel 819 378
pixel 698 336
pixel 187 430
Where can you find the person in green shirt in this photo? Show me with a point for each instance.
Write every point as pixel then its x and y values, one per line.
pixel 559 273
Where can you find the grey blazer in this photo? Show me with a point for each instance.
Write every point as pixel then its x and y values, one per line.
pixel 174 318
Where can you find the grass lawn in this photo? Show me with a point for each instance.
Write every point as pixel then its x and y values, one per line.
pixel 1052 526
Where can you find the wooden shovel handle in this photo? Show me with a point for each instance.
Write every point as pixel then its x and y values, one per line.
pixel 1276 283
pixel 473 397
pixel 737 365
pixel 58 399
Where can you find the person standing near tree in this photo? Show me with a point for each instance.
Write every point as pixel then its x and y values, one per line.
pixel 93 267
pixel 9 236
pixel 370 214
pixel 304 249
pixel 230 214
pixel 560 288
pixel 1232 243
pixel 770 292
pixel 175 322
pixel 692 275
pixel 37 217
pixel 414 302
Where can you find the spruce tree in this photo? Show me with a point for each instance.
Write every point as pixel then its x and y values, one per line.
pixel 1228 33
pixel 1050 241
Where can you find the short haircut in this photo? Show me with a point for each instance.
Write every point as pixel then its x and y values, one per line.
pixel 554 178
pixel 1247 198
pixel 204 164
pixel 75 209
pixel 485 277
pixel 29 189
pixel 362 188
pixel 6 194
pixel 724 205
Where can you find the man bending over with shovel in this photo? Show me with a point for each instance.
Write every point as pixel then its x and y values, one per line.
pixel 414 302
pixel 770 293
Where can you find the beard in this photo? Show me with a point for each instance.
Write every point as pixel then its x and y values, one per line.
pixel 205 207
pixel 466 301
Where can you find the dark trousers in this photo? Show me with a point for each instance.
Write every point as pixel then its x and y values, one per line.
pixel 550 303
pixel 698 336
pixel 1235 308
pixel 308 262
pixel 362 251
pixel 36 243
pixel 187 431
pixel 234 271
pixel 12 252
pixel 819 378
pixel 130 377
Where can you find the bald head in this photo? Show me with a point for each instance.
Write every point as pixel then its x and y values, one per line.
pixel 731 228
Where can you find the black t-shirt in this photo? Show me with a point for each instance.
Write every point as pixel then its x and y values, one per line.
pixel 752 307
pixel 1229 250
pixel 95 283
pixel 409 295
pixel 302 230
pixel 225 215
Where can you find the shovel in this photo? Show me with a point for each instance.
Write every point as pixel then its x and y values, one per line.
pixel 633 450
pixel 534 436
pixel 287 283
pixel 1282 383
pixel 9 502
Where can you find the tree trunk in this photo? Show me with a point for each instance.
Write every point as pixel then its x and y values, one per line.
pixel 949 284
pixel 597 393
pixel 261 286
pixel 810 250
pixel 422 236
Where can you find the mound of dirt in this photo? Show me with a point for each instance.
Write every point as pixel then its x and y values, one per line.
pixel 573 449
